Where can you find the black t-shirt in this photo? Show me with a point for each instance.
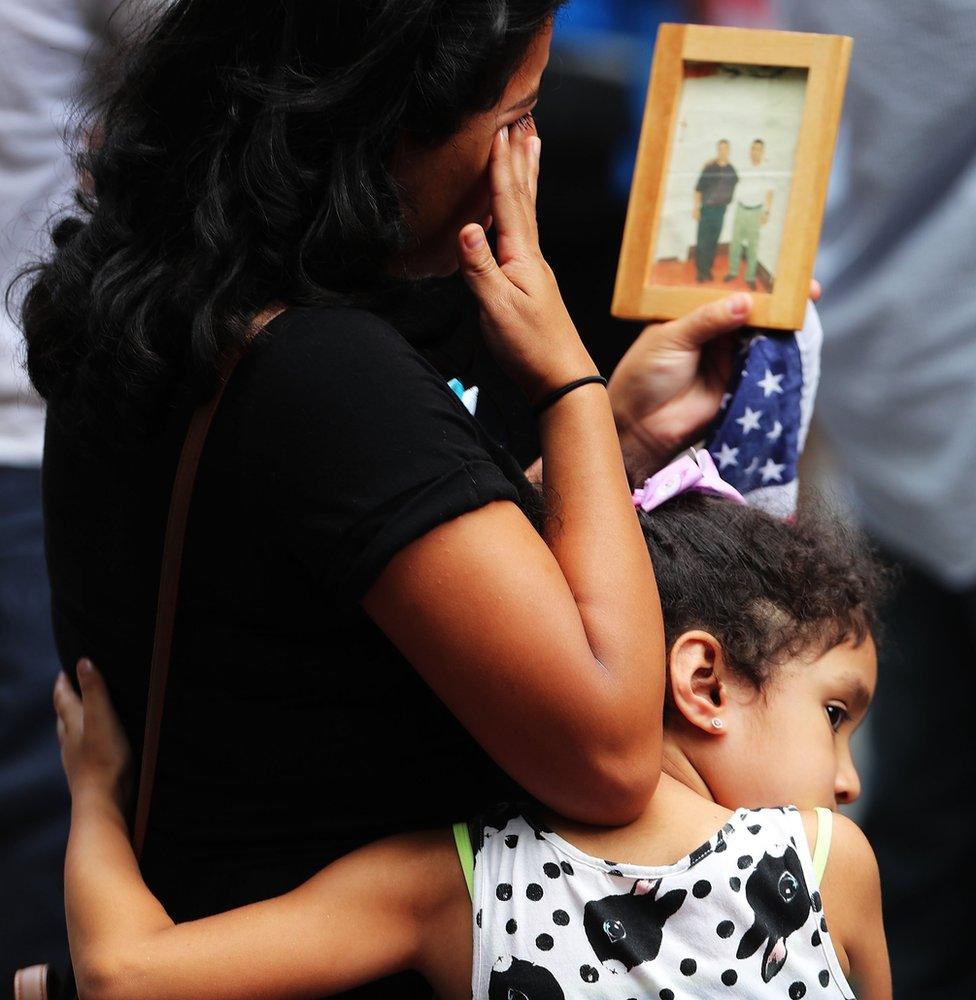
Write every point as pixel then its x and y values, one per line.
pixel 716 184
pixel 293 731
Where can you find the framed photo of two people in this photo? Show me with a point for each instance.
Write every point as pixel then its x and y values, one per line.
pixel 732 171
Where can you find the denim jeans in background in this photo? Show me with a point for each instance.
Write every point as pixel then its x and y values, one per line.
pixel 33 793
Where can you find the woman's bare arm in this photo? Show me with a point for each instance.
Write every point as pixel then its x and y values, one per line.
pixel 549 651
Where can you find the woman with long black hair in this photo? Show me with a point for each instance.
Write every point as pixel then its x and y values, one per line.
pixel 379 626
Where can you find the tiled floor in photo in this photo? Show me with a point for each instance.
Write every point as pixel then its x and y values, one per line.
pixel 682 272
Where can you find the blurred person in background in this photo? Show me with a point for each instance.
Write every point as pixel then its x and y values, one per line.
pixel 898 410
pixel 49 51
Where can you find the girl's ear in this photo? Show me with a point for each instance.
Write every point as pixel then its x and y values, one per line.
pixel 696 667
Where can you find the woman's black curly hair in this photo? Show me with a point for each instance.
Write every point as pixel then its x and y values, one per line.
pixel 241 158
pixel 768 589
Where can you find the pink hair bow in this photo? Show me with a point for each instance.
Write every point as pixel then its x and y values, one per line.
pixel 692 471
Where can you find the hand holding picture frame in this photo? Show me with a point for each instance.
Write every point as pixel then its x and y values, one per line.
pixel 732 170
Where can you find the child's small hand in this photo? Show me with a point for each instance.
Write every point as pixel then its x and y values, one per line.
pixel 95 753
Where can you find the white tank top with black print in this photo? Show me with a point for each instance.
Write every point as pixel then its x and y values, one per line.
pixel 741 916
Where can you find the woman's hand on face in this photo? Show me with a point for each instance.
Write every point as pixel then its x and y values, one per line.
pixel 95 753
pixel 523 316
pixel 669 385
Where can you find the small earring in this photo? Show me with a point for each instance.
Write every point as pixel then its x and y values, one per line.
pixel 718 724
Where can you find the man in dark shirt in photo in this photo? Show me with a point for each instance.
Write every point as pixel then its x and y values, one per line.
pixel 713 193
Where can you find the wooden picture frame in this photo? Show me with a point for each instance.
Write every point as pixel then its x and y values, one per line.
pixel 652 285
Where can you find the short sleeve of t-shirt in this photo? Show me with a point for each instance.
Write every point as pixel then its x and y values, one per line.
pixel 356 445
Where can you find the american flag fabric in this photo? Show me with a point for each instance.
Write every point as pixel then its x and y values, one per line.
pixel 758 436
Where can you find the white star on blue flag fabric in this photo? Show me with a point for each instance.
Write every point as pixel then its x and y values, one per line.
pixel 749 421
pixel 771 383
pixel 772 392
pixel 727 456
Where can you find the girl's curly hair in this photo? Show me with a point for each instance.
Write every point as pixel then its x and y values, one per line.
pixel 769 590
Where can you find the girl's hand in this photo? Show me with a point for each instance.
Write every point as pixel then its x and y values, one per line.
pixel 669 384
pixel 95 753
pixel 523 316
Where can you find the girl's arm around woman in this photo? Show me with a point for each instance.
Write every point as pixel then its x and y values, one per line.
pixel 396 904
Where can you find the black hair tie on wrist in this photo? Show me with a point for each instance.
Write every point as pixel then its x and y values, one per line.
pixel 558 394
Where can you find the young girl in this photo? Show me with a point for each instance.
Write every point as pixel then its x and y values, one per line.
pixel 718 888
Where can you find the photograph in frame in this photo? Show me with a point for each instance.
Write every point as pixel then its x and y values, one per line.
pixel 732 172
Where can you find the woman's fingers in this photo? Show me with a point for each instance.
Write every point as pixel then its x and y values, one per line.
pixel 523 316
pixel 525 160
pixel 705 323
pixel 479 268
pixel 511 203
pixel 505 208
pixel 517 153
pixel 535 153
pixel 709 321
pixel 524 141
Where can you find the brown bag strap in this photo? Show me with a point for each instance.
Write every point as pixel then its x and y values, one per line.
pixel 169 581
pixel 38 982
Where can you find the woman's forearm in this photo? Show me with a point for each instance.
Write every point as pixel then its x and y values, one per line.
pixel 595 535
pixel 642 458
pixel 549 653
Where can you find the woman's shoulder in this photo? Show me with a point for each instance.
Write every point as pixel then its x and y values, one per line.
pixel 336 356
pixel 303 333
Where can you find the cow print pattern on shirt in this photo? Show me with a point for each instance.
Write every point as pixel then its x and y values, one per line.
pixel 627 928
pixel 740 911
pixel 778 895
pixel 523 981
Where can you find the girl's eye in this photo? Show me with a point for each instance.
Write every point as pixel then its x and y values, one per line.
pixel 836 715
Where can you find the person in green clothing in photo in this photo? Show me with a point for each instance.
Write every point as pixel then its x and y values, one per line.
pixel 753 203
